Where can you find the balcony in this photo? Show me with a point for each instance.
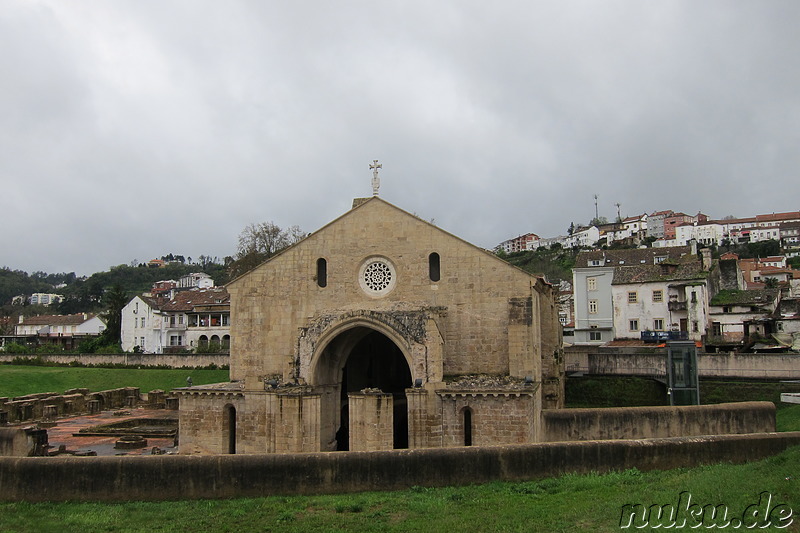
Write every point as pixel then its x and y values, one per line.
pixel 676 306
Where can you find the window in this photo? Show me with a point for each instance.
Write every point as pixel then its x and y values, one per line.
pixel 594 263
pixel 658 324
pixel 226 320
pixel 142 321
pixel 180 319
pixel 467 426
pixel 727 309
pixel 592 307
pixel 633 325
pixel 141 343
pixel 322 272
pixel 658 296
pixel 695 326
pixel 433 267
pixel 632 297
pixel 176 340
pixel 694 296
pixel 591 284
pixel 659 259
pixel 594 336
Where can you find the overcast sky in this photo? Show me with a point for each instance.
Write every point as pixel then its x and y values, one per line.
pixel 132 129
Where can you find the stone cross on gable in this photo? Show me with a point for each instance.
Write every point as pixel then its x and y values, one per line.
pixel 376 182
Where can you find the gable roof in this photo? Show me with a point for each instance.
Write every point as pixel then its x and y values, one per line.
pixel 684 268
pixel 362 203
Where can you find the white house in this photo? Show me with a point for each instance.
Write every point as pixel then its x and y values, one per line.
pixel 671 296
pixel 66 330
pixel 586 237
pixel 192 320
pixel 765 233
pixel 142 325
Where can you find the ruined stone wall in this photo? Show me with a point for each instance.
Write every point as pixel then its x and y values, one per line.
pixel 658 421
pixel 49 405
pixel 166 477
pixel 265 421
pixel 271 305
pixel 497 418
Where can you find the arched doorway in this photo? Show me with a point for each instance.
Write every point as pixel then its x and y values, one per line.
pixel 361 358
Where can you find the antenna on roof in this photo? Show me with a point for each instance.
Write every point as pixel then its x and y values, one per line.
pixel 596 215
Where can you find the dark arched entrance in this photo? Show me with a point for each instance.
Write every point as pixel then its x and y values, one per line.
pixel 363 358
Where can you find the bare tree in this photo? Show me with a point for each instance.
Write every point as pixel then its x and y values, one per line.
pixel 259 242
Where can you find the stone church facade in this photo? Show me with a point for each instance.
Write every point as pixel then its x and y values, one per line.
pixel 381 331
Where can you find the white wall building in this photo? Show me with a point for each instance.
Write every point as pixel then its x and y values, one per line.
pixel 142 325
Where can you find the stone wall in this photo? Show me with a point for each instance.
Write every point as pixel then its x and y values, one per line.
pixel 164 477
pixel 128 359
pixel 658 421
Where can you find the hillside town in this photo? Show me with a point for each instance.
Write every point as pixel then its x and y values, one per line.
pixel 652 278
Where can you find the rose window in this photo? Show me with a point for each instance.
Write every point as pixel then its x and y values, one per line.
pixel 377 277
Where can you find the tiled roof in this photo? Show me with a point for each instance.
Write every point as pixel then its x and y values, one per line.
pixel 633 256
pixel 187 300
pixel 685 268
pixel 749 297
pixel 56 320
pixel 776 217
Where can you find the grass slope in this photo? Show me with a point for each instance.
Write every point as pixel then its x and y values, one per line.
pixel 567 503
pixel 16 380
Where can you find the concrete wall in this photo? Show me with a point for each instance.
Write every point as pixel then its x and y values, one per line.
pixel 225 476
pixel 658 421
pixel 129 359
pixel 733 365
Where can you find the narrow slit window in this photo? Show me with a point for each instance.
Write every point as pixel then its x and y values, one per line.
pixel 467 427
pixel 322 272
pixel 433 267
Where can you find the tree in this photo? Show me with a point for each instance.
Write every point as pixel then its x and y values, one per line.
pixel 259 242
pixel 114 299
pixel 598 221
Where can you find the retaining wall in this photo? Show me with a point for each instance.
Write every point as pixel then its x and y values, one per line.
pixel 658 421
pixel 621 362
pixel 226 476
pixel 129 359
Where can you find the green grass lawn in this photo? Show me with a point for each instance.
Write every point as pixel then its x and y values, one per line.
pixel 787 417
pixel 567 503
pixel 17 380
